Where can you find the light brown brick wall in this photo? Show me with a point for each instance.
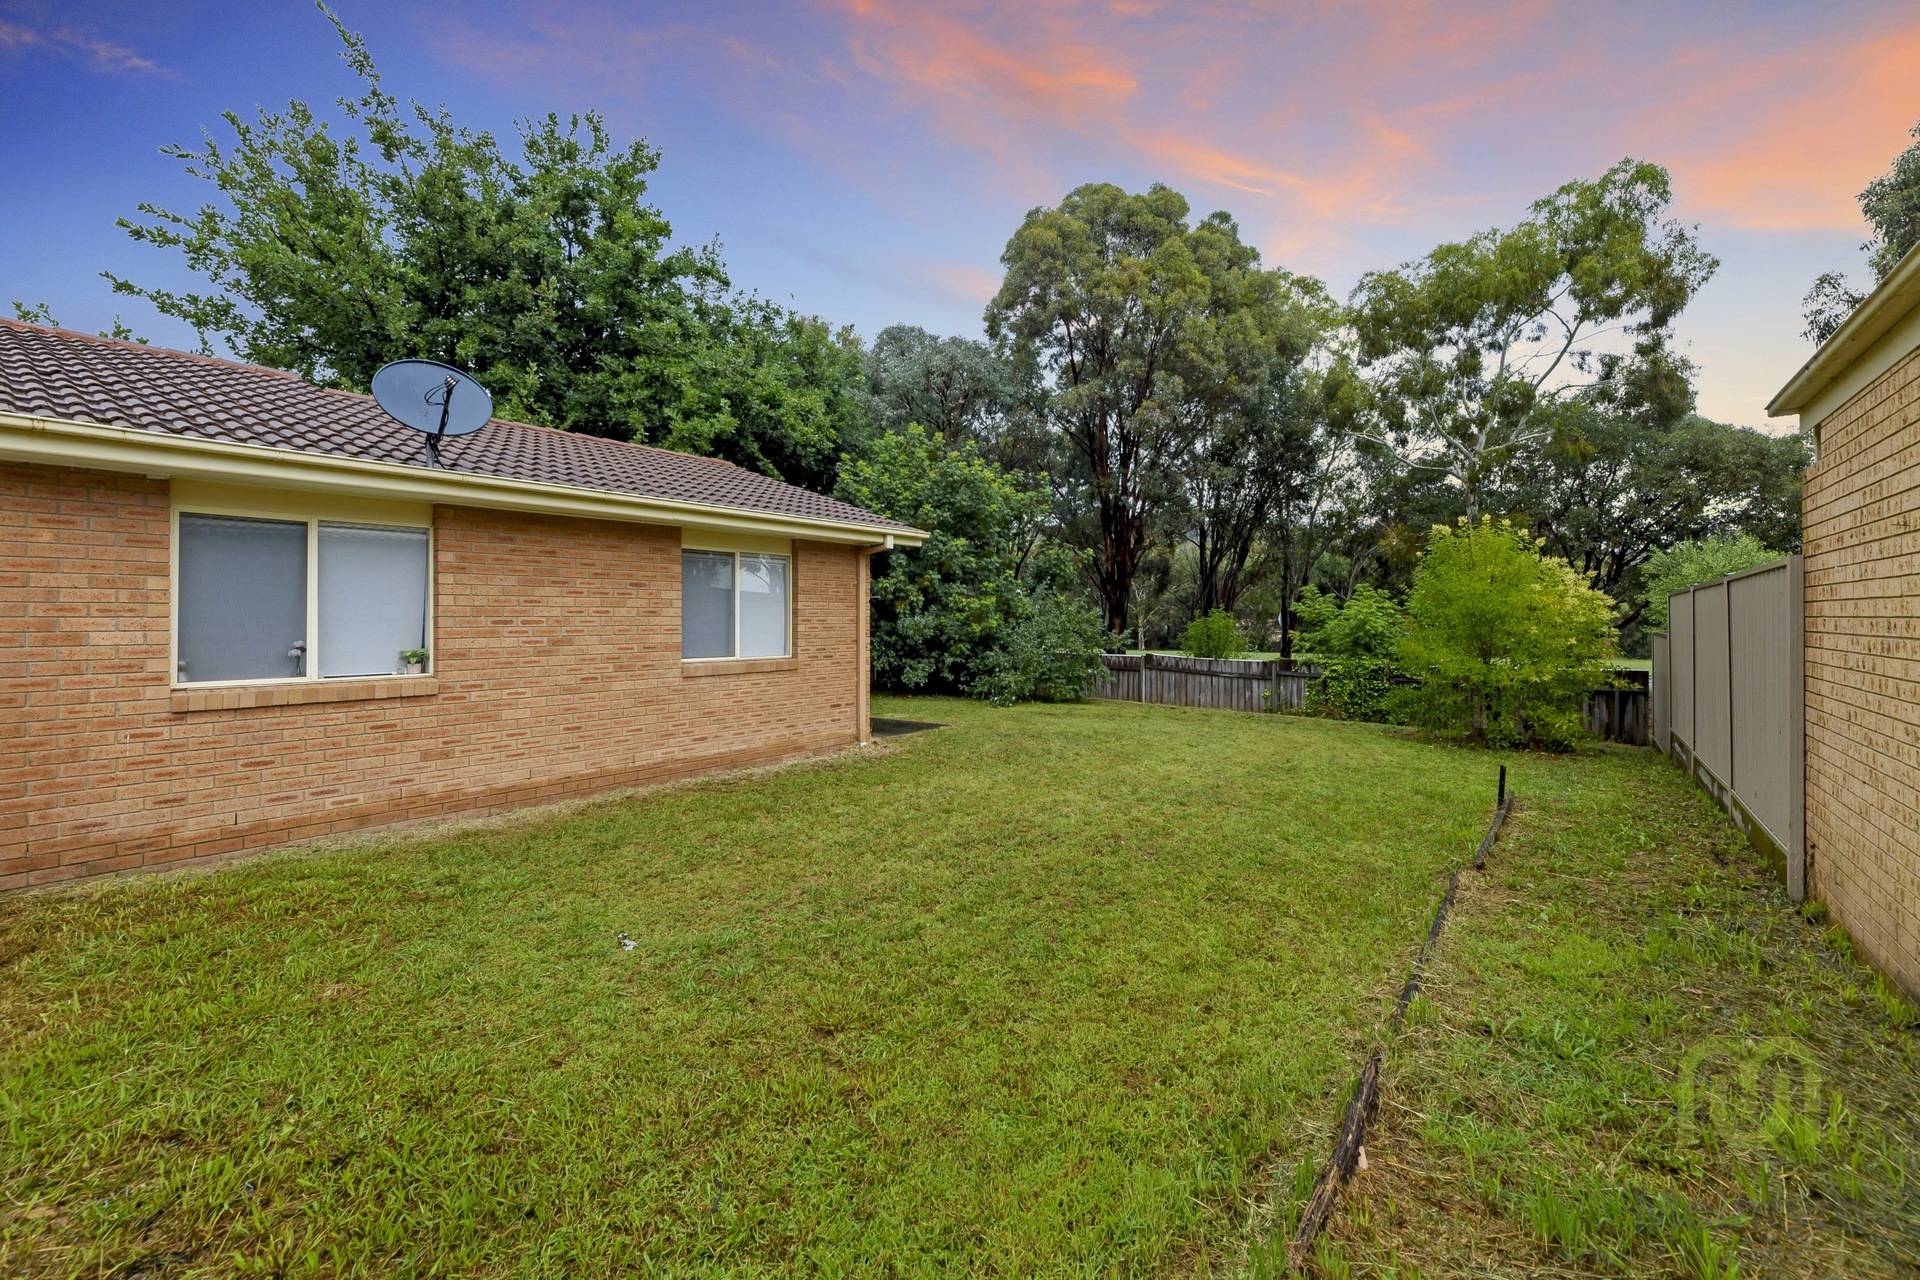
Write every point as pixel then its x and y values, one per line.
pixel 1862 513
pixel 557 672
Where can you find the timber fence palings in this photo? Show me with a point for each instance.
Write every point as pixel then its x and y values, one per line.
pixel 1245 684
pixel 1349 1147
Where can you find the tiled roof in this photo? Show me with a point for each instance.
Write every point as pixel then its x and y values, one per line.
pixel 56 373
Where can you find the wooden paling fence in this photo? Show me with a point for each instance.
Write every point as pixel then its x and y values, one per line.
pixel 1244 684
pixel 1225 684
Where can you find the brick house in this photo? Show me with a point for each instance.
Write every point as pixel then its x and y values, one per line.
pixel 1858 398
pixel 238 610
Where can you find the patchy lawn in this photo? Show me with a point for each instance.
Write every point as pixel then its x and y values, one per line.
pixel 1058 990
pixel 1633 1057
pixel 1053 989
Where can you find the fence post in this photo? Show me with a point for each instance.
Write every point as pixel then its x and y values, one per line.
pixel 1693 682
pixel 1726 585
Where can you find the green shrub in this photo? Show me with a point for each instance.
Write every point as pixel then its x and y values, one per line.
pixel 1050 653
pixel 1353 643
pixel 1504 642
pixel 1353 689
pixel 1687 564
pixel 1214 636
pixel 1367 625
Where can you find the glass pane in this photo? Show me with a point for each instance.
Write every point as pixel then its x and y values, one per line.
pixel 373 598
pixel 706 604
pixel 763 606
pixel 243 598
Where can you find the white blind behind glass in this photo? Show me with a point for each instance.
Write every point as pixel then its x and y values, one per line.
pixel 243 598
pixel 706 604
pixel 763 606
pixel 373 598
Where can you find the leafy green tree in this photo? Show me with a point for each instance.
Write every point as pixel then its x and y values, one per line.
pixel 1891 206
pixel 941 611
pixel 1472 346
pixel 41 313
pixel 1354 643
pixel 1104 307
pixel 1628 474
pixel 1688 564
pixel 1258 408
pixel 1368 624
pixel 1050 652
pixel 546 273
pixel 958 388
pixel 1502 641
pixel 1213 635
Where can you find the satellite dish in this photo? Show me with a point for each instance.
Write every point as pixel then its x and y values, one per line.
pixel 434 399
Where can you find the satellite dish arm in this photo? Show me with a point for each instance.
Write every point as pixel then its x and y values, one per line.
pixel 446 408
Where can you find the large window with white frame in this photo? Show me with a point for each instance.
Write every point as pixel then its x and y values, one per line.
pixel 735 604
pixel 270 598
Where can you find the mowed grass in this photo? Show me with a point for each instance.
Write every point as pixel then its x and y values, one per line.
pixel 1634 1057
pixel 1056 990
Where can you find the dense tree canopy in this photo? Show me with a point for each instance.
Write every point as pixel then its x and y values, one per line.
pixel 1149 343
pixel 1472 346
pixel 544 271
pixel 1614 488
pixel 957 388
pixel 1689 564
pixel 940 610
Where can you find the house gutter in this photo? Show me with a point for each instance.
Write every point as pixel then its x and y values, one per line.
pixel 63 443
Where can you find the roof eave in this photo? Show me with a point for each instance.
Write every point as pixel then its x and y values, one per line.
pixel 60 442
pixel 1891 300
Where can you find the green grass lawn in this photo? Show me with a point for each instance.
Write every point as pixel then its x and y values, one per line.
pixel 1052 990
pixel 1057 990
pixel 1633 1057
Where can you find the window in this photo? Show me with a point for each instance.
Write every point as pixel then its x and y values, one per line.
pixel 735 605
pixel 275 599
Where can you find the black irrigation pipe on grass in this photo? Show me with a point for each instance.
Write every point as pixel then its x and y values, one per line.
pixel 1351 1139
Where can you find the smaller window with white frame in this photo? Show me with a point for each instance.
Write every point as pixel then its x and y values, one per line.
pixel 262 598
pixel 735 604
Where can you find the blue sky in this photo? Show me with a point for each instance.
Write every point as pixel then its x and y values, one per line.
pixel 867 159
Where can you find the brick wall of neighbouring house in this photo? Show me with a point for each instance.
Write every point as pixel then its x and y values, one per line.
pixel 1862 512
pixel 556 672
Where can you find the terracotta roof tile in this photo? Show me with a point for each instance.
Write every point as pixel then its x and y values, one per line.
pixel 56 373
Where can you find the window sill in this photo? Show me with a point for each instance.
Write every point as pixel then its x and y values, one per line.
pixel 735 666
pixel 294 693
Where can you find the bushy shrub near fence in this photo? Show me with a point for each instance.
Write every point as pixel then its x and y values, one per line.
pixel 1503 641
pixel 1050 653
pixel 1215 636
pixel 1353 642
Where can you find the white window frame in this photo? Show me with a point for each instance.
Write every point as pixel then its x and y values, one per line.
pixel 310 664
pixel 736 554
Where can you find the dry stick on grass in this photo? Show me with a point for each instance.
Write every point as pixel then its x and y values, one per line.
pixel 1349 1149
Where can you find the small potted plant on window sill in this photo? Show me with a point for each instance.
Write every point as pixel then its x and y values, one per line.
pixel 415 660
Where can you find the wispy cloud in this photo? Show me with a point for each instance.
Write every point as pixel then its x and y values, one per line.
pixel 68 42
pixel 1783 141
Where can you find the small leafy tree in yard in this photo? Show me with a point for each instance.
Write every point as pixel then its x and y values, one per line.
pixel 1353 643
pixel 1687 563
pixel 1504 641
pixel 979 609
pixel 938 610
pixel 1050 653
pixel 1214 636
